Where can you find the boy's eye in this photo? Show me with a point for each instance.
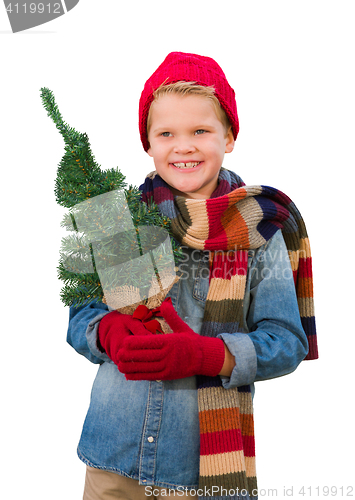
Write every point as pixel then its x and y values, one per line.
pixel 200 131
pixel 165 134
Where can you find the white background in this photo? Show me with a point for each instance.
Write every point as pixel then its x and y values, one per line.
pixel 292 67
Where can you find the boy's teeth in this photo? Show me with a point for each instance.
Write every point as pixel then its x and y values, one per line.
pixel 187 165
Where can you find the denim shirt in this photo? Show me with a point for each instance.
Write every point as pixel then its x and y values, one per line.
pixel 149 431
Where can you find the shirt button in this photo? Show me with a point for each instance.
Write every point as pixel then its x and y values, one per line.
pixel 150 439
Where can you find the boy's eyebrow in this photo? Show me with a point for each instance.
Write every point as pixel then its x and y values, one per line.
pixel 160 129
pixel 195 127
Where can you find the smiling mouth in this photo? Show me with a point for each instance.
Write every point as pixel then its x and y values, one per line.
pixel 191 164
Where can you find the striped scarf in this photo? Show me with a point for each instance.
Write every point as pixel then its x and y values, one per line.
pixel 235 219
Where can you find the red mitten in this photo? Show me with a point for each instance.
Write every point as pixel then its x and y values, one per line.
pixel 180 354
pixel 114 328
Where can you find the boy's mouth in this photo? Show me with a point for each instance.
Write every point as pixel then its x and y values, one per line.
pixel 191 164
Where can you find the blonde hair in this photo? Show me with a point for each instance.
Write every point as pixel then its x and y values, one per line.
pixel 191 88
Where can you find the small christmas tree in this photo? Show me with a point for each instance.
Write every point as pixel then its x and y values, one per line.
pixel 115 237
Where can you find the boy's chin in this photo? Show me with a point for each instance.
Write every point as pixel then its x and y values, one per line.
pixel 178 189
pixel 177 192
pixel 192 189
pixel 183 187
pixel 197 194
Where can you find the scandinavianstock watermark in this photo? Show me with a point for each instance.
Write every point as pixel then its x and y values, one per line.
pixel 213 491
pixel 192 266
pixel 103 239
pixel 285 491
pixel 25 14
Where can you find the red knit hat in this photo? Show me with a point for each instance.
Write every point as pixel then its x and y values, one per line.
pixel 179 66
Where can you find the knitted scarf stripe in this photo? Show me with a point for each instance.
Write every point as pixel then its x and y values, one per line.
pixel 227 446
pixel 236 219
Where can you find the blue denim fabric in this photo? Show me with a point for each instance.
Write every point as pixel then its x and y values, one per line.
pixel 149 431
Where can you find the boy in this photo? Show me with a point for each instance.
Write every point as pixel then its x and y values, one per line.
pixel 172 414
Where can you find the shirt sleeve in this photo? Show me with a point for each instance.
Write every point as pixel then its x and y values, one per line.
pixel 82 330
pixel 276 342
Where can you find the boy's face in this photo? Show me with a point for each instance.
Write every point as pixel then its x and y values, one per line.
pixel 188 142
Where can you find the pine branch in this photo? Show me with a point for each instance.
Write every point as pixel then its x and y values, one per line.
pixel 79 177
pixel 99 239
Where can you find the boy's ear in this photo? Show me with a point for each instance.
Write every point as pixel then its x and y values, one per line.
pixel 230 141
pixel 149 151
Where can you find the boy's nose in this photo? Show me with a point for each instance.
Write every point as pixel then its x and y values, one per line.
pixel 184 147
